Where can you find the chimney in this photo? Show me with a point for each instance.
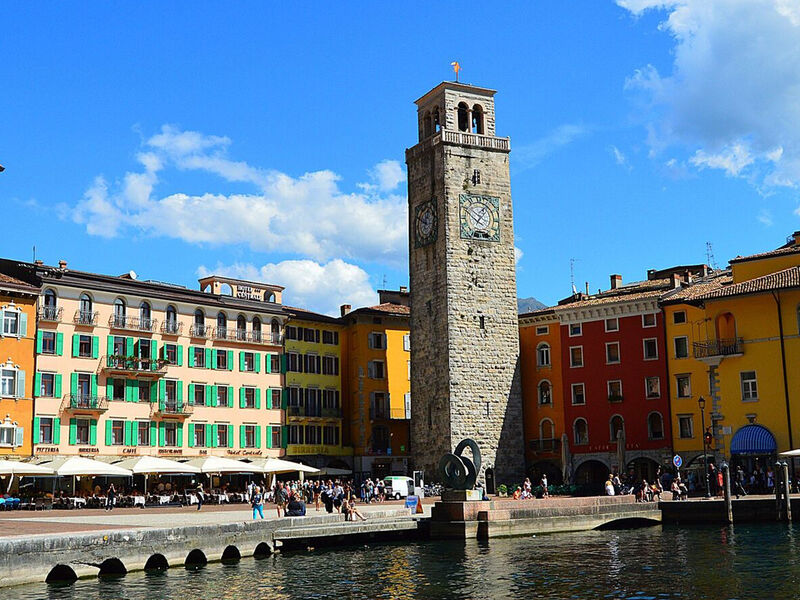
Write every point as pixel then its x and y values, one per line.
pixel 403 289
pixel 39 262
pixel 62 264
pixel 587 288
pixel 796 236
pixel 676 280
pixel 616 281
pixel 345 309
pixel 687 276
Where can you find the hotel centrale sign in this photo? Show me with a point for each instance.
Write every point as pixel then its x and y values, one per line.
pixel 249 292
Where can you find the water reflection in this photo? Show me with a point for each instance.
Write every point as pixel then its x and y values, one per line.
pixel 710 562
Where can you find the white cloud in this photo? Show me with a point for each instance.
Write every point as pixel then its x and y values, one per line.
pixel 307 215
pixel 765 218
pixel 518 254
pixel 620 158
pixel 309 284
pixel 529 155
pixel 732 97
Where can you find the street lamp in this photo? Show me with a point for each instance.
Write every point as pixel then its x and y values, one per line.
pixel 702 403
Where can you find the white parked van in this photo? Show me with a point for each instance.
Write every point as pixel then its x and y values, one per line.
pixel 398 487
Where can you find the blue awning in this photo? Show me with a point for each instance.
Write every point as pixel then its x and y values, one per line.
pixel 753 439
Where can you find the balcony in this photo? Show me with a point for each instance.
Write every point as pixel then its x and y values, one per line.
pixel 380 413
pixel 241 335
pixel 545 445
pixel 171 328
pixel 171 408
pixel 50 313
pixel 315 411
pixel 84 402
pixel 132 323
pixel 85 317
pixel 200 331
pixel 711 349
pixel 133 365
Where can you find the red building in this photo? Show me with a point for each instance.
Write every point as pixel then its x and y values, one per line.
pixel 614 372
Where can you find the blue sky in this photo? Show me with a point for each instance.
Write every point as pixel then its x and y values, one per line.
pixel 267 141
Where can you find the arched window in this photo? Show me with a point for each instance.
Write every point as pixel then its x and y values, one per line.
pixel 463 117
pixel 616 425
pixel 85 314
pixel 545 393
pixel 171 325
pixel 546 430
pixel 226 290
pixel 222 324
pixel 241 328
pixel 426 125
pixel 726 327
pixel 437 124
pixel 199 322
pixel 256 329
pixel 581 432
pixel 49 298
pixel 477 119
pixel 655 426
pixel 50 311
pixel 275 331
pixel 119 312
pixel 144 316
pixel 543 355
pixel 269 297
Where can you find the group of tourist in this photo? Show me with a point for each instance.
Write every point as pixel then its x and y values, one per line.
pixel 291 498
pixel 526 492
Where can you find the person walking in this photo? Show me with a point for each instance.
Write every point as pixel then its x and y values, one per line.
pixel 111 496
pixel 200 495
pixel 257 502
pixel 543 483
pixel 281 498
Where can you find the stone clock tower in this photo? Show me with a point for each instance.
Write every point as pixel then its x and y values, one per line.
pixel 465 379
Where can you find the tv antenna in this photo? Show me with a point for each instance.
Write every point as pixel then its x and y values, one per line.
pixel 710 256
pixel 572 262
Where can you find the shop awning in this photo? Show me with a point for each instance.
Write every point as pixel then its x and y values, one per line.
pixel 753 440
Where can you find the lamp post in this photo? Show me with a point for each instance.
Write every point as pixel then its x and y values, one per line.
pixel 702 403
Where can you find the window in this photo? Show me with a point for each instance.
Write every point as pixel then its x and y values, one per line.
pixel 581 432
pixel 145 321
pixel 291 332
pixel 222 325
pixel 11 320
pixel 650 349
pixel 375 369
pixel 678 317
pixel 48 342
pixel 119 312
pixel 330 365
pixel 313 434
pixel 199 320
pixel 578 395
pixel 277 442
pixel 275 398
pixel 616 425
pixel 171 324
pixel 117 437
pixel 143 433
pixel 86 309
pixel 330 435
pixel 330 337
pixel 546 430
pixel 543 355
pixel 686 426
pixel 249 440
pixel 45 430
pixel 377 341
pixel 8 383
pixel 683 383
pixel 312 363
pixel 295 434
pixel 612 353
pixel 50 311
pixel 576 356
pixel 652 386
pixel 199 435
pixel 407 342
pixel 144 391
pixel 199 354
pixel 749 386
pixel 275 331
pixel 82 427
pixel 85 346
pixel 47 385
pixel 655 426
pixel 649 320
pixel 379 406
pixel 118 389
pixel 222 360
pixel 543 330
pixel 681 347
pixel 249 397
pixel 612 324
pixel 171 353
pixel 222 395
pixel 575 329
pixel 295 364
pixel 170 433
pixel 310 335
pixel 256 329
pixel 545 393
pixel 241 328
pixel 249 362
pixel 199 396
pixel 275 363
pixel 614 390
pixel 222 436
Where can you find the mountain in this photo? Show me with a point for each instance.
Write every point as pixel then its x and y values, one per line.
pixel 525 305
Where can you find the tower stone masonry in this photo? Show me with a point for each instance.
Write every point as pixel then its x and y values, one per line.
pixel 465 372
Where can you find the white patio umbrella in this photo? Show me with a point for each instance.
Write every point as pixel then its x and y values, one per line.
pixel 78 466
pixel 218 464
pixel 791 453
pixel 276 465
pixel 17 467
pixel 334 471
pixel 151 465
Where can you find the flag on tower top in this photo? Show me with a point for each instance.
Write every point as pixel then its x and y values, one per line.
pixel 456 68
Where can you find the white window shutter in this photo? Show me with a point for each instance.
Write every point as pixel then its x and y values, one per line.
pixel 20 391
pixel 19 436
pixel 407 342
pixel 23 324
pixel 407 399
pixel 2 323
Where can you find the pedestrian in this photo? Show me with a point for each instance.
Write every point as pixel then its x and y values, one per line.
pixel 257 502
pixel 281 498
pixel 200 495
pixel 111 496
pixel 739 484
pixel 543 483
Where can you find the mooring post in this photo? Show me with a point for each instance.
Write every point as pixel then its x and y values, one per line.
pixel 787 501
pixel 726 479
pixel 778 490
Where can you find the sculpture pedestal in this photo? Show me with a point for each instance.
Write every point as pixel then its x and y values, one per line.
pixel 462 495
pixel 456 514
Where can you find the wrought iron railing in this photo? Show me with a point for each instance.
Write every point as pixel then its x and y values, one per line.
pixel 50 313
pixel 545 445
pixel 85 402
pixel 134 364
pixel 171 327
pixel 200 331
pixel 132 323
pixel 85 317
pixel 724 347
pixel 172 407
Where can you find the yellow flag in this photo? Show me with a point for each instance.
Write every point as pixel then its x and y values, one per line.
pixel 456 68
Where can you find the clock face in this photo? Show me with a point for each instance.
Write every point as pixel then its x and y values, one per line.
pixel 425 222
pixel 480 217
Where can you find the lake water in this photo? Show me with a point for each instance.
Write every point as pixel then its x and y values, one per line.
pixel 745 562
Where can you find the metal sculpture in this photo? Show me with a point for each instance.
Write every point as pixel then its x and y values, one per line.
pixel 459 472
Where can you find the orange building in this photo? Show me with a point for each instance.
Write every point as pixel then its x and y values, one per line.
pixel 376 385
pixel 17 366
pixel 542 398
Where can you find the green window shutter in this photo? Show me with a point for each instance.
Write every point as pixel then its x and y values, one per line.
pixel 162 392
pixel 162 433
pixel 110 388
pixel 93 432
pixel 209 359
pixel 230 435
pixel 268 399
pixel 257 358
pixel 110 345
pixel 73 384
pixel 211 398
pixel 59 344
pixel 241 436
pixel 268 363
pixel 129 346
pixel 284 398
pixel 230 360
pixel 230 396
pixel 153 433
pixel 241 397
pixel 283 363
pixel 192 428
pixel 131 433
pixel 258 398
pixel 191 393
pixel 241 361
pixel 258 436
pixel 268 429
pixel 57 385
pixel 38 342
pixel 180 355
pixel 109 432
pixel 127 436
pixel 37 384
pixel 94 386
pixel 191 355
pixel 284 436
pixel 95 346
pixel 154 349
pixel 36 433
pixel 153 391
pixel 76 342
pixel 211 439
pixel 179 387
pixel 179 429
pixel 56 431
pixel 73 431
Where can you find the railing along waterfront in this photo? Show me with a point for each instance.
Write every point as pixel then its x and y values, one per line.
pixel 725 347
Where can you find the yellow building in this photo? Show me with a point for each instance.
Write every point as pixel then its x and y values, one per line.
pixel 377 385
pixel 312 350
pixel 17 366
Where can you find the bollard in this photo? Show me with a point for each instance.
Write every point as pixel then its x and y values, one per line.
pixel 726 482
pixel 786 499
pixel 778 490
